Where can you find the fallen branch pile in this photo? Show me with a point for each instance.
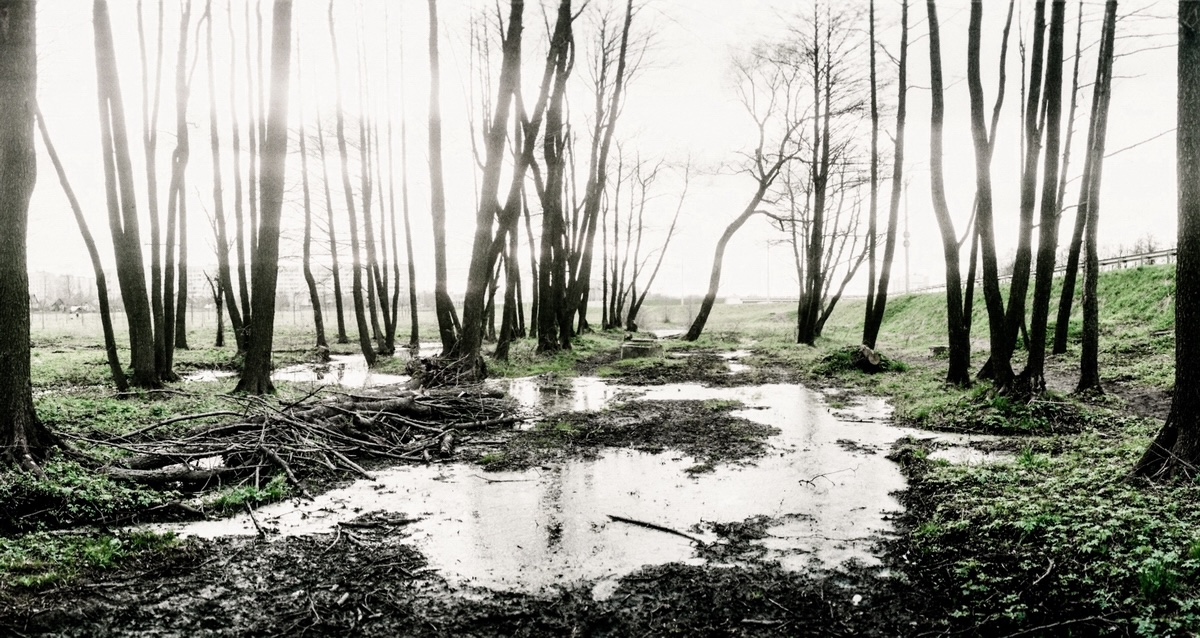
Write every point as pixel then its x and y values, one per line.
pixel 308 438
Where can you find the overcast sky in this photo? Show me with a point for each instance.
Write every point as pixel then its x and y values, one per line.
pixel 681 106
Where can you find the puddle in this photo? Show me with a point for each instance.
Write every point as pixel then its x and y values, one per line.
pixel 966 455
pixel 348 370
pixel 550 396
pixel 535 529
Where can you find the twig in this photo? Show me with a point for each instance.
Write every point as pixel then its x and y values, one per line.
pixel 1054 625
pixel 178 419
pixel 654 526
pixel 287 470
pixel 261 533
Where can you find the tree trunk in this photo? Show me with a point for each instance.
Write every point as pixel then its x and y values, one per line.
pixel 873 215
pixel 313 296
pixel 110 341
pixel 1019 287
pixel 714 278
pixel 122 209
pixel 150 146
pixel 22 437
pixel 1067 296
pixel 218 296
pixel 1175 452
pixel 238 215
pixel 256 374
pixel 356 285
pixel 960 345
pixel 983 237
pixel 175 291
pixel 224 276
pixel 1089 205
pixel 333 247
pixel 873 323
pixel 443 306
pixel 414 336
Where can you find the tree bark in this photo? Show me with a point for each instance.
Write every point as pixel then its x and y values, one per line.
pixel 443 306
pixel 177 209
pixel 958 372
pixel 256 374
pixel 1175 452
pixel 356 285
pixel 313 296
pixel 873 323
pixel 333 246
pixel 714 277
pixel 224 275
pixel 150 147
pixel 122 208
pixel 983 236
pixel 1089 205
pixel 238 214
pixel 110 341
pixel 23 437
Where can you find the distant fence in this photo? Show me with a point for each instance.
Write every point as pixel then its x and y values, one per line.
pixel 1122 262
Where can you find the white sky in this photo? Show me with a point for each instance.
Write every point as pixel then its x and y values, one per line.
pixel 682 105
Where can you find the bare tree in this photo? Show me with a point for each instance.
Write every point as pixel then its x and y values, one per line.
pixel 1175 452
pixel 443 306
pixel 306 260
pixel 122 207
pixel 356 286
pixel 1089 199
pixel 23 438
pixel 256 373
pixel 959 342
pixel 224 275
pixel 778 115
pixel 176 200
pixel 333 245
pixel 110 341
pixel 150 147
pixel 876 308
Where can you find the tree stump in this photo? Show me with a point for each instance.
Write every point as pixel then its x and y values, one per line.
pixel 867 360
pixel 638 348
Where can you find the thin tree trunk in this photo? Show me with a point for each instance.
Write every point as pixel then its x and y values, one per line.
pixel 150 146
pixel 313 296
pixel 1067 296
pixel 176 208
pixel 1034 373
pixel 218 295
pixel 414 336
pixel 984 237
pixel 256 374
pixel 333 247
pixel 110 341
pixel 714 278
pixel 873 215
pixel 1187 142
pixel 356 286
pixel 875 321
pixel 23 438
pixel 958 372
pixel 224 276
pixel 238 214
pixel 122 210
pixel 444 308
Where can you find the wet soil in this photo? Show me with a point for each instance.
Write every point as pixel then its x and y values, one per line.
pixel 703 430
pixel 365 580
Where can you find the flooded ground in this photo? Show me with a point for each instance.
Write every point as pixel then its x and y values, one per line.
pixel 823 493
pixel 348 370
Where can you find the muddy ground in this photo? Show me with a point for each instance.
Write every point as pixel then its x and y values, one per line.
pixel 366 578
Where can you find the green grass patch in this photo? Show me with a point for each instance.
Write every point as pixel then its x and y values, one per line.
pixel 1044 538
pixel 41 559
pixel 70 494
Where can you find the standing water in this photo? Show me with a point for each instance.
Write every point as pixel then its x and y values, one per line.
pixel 824 485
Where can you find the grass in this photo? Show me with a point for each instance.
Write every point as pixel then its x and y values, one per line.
pixel 42 559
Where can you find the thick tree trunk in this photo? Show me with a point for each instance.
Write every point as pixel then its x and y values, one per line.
pixel 356 285
pixel 122 208
pixel 873 323
pixel 1089 206
pixel 1175 452
pixel 110 341
pixel 960 345
pixel 256 373
pixel 443 306
pixel 23 438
